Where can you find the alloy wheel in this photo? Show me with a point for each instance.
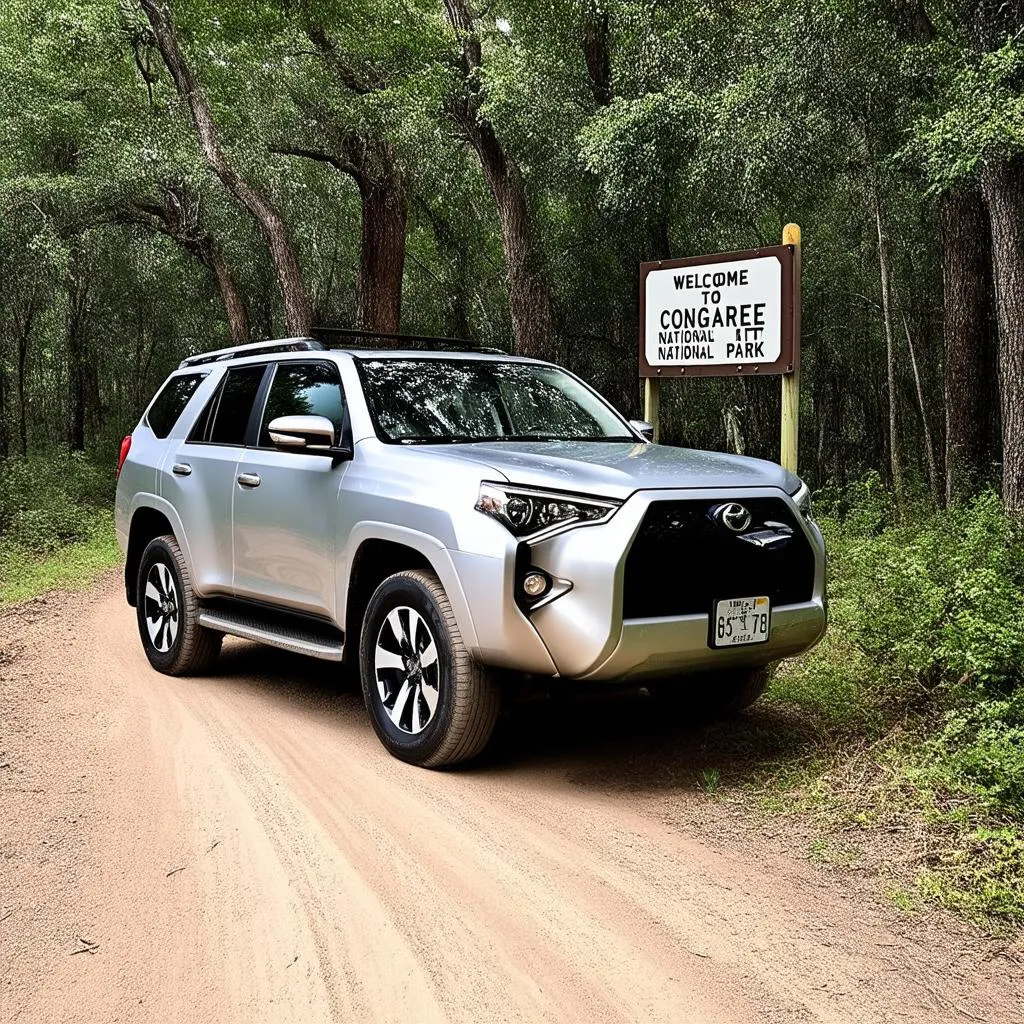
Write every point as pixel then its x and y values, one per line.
pixel 407 669
pixel 163 607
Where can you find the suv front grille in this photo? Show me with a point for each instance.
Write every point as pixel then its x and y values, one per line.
pixel 682 560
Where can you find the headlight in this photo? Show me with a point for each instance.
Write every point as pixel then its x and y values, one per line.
pixel 527 513
pixel 803 501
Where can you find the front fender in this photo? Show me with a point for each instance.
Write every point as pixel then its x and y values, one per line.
pixel 431 549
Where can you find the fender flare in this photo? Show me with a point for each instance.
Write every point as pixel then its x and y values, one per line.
pixel 431 549
pixel 145 499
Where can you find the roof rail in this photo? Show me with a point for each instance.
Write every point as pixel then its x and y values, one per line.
pixel 424 341
pixel 254 349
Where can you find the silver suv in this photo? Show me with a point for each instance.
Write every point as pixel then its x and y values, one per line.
pixel 449 518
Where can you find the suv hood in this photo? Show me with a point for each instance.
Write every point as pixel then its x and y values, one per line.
pixel 616 469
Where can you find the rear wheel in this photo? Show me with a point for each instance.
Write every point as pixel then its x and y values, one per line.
pixel 725 692
pixel 168 613
pixel 430 702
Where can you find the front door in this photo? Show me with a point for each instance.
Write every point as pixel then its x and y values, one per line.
pixel 286 503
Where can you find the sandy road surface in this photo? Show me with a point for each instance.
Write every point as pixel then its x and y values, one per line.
pixel 240 848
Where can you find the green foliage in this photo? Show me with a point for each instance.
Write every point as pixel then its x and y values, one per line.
pixel 983 878
pixel 980 115
pixel 56 524
pixel 938 600
pixel 919 683
pixel 24 575
pixel 981 747
pixel 48 503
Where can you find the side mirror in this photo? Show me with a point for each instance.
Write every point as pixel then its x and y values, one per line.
pixel 312 434
pixel 644 428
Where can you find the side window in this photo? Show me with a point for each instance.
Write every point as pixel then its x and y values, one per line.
pixel 226 416
pixel 201 428
pixel 304 389
pixel 171 402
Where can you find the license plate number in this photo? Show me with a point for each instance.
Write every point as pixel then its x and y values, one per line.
pixel 741 620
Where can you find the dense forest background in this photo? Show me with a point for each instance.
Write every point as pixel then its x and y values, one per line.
pixel 173 180
pixel 176 178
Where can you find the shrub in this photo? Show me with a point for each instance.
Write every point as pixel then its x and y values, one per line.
pixel 936 600
pixel 48 502
pixel 925 628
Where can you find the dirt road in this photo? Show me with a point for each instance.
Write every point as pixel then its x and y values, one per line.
pixel 240 848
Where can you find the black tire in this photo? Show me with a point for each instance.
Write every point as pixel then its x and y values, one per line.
pixel 435 705
pixel 726 692
pixel 168 613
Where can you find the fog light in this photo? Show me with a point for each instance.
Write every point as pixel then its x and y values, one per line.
pixel 535 584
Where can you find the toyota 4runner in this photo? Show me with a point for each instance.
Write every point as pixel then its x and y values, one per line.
pixel 437 517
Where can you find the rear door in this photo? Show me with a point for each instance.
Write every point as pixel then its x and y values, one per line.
pixel 286 503
pixel 199 478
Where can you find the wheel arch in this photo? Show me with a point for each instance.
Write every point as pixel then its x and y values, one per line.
pixel 148 521
pixel 381 553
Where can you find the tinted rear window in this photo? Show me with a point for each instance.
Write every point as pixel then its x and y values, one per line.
pixel 171 402
pixel 237 395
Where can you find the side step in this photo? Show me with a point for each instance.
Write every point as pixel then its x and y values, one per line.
pixel 290 634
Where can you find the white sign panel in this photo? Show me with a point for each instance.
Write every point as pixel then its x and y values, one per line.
pixel 714 314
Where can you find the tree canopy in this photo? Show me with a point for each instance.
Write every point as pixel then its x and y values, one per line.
pixel 180 174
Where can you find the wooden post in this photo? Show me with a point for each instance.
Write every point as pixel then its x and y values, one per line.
pixel 651 399
pixel 791 381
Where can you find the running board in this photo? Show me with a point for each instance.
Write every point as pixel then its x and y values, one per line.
pixel 295 638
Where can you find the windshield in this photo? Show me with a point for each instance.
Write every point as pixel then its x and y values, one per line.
pixel 459 400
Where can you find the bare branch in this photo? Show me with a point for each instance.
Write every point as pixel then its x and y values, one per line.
pixel 338 162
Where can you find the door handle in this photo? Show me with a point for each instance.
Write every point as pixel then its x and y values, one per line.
pixel 181 469
pixel 249 479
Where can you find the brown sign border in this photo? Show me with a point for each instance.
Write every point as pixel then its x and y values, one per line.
pixel 789 355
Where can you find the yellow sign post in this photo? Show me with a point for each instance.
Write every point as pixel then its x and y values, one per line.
pixel 652 399
pixel 790 442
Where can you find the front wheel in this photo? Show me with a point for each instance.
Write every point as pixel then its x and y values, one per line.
pixel 430 702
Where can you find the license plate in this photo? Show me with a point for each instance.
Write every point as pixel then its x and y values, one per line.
pixel 741 620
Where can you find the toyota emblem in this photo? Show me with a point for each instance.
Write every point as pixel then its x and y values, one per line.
pixel 733 516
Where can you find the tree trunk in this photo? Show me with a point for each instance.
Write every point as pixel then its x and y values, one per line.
pixel 234 304
pixel 1003 187
pixel 297 309
pixel 529 299
pixel 24 335
pixel 78 361
pixel 384 210
pixel 594 42
pixel 890 355
pixel 969 365
pixel 929 446
pixel 179 216
pixel 381 257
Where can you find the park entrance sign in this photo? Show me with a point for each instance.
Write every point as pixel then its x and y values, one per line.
pixel 725 315
pixel 731 313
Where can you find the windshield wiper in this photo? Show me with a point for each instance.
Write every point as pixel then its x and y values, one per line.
pixel 513 438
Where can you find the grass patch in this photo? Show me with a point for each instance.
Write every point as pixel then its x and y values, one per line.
pixel 25 574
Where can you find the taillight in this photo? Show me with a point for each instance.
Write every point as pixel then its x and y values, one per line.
pixel 126 446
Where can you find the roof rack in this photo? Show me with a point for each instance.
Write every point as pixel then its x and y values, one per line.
pixel 254 349
pixel 415 341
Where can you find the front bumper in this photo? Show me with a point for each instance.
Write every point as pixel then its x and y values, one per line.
pixel 584 632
